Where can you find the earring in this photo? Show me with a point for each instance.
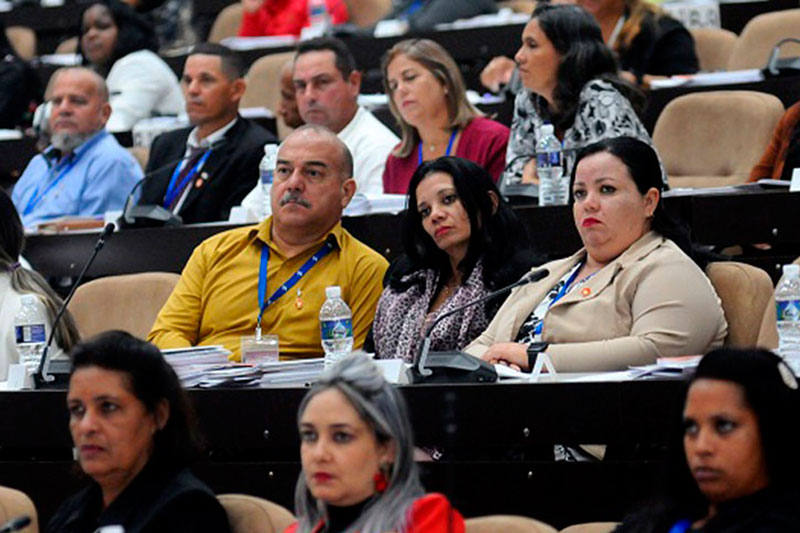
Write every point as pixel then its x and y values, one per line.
pixel 380 480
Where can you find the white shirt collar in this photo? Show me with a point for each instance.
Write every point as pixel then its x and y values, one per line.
pixel 353 124
pixel 211 138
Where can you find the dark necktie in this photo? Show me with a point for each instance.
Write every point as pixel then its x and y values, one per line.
pixel 195 153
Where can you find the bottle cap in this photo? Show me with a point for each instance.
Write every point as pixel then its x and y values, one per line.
pixel 791 270
pixel 547 129
pixel 28 299
pixel 334 291
pixel 270 148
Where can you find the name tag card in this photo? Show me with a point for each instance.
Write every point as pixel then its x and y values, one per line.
pixel 794 186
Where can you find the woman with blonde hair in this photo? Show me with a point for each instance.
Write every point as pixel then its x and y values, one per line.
pixel 428 98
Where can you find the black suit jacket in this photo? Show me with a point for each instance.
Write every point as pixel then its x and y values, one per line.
pixel 230 172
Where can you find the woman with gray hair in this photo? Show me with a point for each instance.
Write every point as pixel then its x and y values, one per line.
pixel 356 447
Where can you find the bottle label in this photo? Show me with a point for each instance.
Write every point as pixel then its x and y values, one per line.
pixel 788 310
pixel 31 333
pixel 341 328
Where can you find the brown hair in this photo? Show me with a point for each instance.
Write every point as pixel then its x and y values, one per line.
pixel 637 11
pixel 438 61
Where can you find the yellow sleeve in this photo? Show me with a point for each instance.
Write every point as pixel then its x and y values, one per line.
pixel 178 322
pixel 365 292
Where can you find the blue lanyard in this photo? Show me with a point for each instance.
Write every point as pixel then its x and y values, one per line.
pixel 681 526
pixel 291 282
pixel 172 190
pixel 449 145
pixel 36 197
pixel 538 329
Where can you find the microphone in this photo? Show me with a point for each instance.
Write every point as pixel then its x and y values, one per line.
pixel 149 215
pixel 460 367
pixel 42 377
pixel 16 524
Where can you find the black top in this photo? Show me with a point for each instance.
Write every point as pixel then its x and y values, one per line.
pixel 341 518
pixel 157 500
pixel 766 511
pixel 230 172
pixel 663 47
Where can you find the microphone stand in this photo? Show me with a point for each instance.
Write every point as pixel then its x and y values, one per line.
pixel 42 377
pixel 455 366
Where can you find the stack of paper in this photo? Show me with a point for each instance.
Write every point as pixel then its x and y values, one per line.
pixel 667 367
pixel 193 365
pixel 298 371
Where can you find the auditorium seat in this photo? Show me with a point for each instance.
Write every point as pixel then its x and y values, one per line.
pixel 130 302
pixel 713 47
pixel 23 40
pixel 68 46
pixel 141 154
pixel 14 503
pixel 745 291
pixel 711 139
pixel 761 34
pixel 591 527
pixel 227 23
pixel 518 6
pixel 365 13
pixel 507 524
pixel 263 86
pixel 248 514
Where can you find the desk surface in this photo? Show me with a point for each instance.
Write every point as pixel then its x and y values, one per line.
pixel 492 436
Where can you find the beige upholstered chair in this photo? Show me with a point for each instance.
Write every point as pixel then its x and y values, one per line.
pixel 760 36
pixel 69 46
pixel 745 291
pixel 711 139
pixel 14 503
pixel 23 40
pixel 507 524
pixel 227 23
pixel 141 154
pixel 518 6
pixel 591 527
pixel 130 302
pixel 248 514
pixel 713 47
pixel 367 12
pixel 263 86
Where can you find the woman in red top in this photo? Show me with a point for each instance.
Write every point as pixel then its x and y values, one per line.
pixel 356 447
pixel 283 17
pixel 429 101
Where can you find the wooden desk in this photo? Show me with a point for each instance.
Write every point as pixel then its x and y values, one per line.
pixel 490 434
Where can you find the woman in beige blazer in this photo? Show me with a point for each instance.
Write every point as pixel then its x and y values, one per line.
pixel 632 294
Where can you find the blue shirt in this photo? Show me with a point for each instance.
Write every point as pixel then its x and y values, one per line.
pixel 97 177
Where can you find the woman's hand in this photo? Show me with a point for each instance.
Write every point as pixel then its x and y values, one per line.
pixel 251 6
pixel 512 354
pixel 497 72
pixel 529 174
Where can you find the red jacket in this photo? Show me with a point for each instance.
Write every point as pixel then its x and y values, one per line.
pixel 286 17
pixel 431 513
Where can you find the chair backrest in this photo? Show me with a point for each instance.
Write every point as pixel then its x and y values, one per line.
pixel 710 139
pixel 745 291
pixel 14 503
pixel 141 154
pixel 761 34
pixel 23 39
pixel 591 527
pixel 263 81
pixel 68 46
pixel 227 23
pixel 507 524
pixel 130 302
pixel 713 47
pixel 518 6
pixel 248 514
pixel 367 12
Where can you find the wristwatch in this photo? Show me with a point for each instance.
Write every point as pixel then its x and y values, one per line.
pixel 534 349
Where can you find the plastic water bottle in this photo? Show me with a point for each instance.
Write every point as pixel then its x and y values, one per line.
pixel 319 20
pixel 336 326
pixel 266 170
pixel 787 305
pixel 30 331
pixel 553 184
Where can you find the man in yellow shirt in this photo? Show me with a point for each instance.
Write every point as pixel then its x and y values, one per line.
pixel 290 258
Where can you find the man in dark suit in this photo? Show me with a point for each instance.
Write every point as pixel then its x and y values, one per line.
pixel 221 152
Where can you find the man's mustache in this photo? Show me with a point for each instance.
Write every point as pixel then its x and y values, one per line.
pixel 293 197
